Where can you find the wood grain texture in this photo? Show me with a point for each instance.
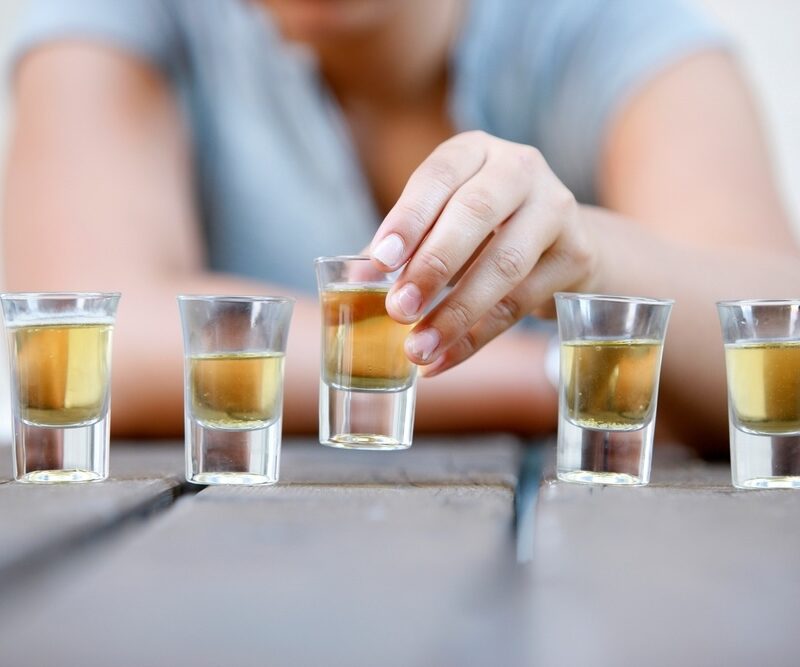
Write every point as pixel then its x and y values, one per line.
pixel 40 523
pixel 687 571
pixel 296 575
pixel 483 459
pixel 489 459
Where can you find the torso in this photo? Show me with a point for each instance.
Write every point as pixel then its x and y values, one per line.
pixel 285 174
pixel 391 145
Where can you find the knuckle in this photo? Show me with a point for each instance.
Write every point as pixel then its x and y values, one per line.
pixel 572 259
pixel 468 345
pixel 459 313
pixel 582 251
pixel 463 348
pixel 508 264
pixel 414 215
pixel 507 311
pixel 457 352
pixel 579 249
pixel 443 171
pixel 564 200
pixel 479 204
pixel 530 157
pixel 474 135
pixel 435 265
pixel 582 255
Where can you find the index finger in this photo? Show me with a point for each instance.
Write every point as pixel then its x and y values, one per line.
pixel 423 199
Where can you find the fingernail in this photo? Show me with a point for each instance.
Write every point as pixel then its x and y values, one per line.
pixel 389 251
pixel 408 300
pixel 423 344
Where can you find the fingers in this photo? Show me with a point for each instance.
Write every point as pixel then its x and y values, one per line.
pixel 492 213
pixel 561 268
pixel 492 280
pixel 500 268
pixel 423 199
pixel 476 209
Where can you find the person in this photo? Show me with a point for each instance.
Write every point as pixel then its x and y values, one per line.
pixel 508 149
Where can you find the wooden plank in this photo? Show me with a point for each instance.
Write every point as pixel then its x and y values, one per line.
pixel 127 460
pixel 42 522
pixel 295 575
pixel 44 519
pixel 490 459
pixel 685 571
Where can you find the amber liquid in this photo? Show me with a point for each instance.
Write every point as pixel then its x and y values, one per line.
pixel 62 372
pixel 764 386
pixel 610 384
pixel 363 346
pixel 236 390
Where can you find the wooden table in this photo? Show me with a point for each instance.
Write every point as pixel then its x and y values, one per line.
pixel 456 552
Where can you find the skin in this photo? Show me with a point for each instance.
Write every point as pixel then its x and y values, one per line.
pixel 689 212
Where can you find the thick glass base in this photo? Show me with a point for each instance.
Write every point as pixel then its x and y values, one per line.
pixel 60 476
pixel 242 478
pixel 49 455
pixel 364 441
pixel 372 420
pixel 588 477
pixel 589 456
pixel 242 457
pixel 764 461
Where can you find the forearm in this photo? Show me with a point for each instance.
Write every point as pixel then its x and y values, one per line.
pixel 147 377
pixel 148 354
pixel 501 388
pixel 634 260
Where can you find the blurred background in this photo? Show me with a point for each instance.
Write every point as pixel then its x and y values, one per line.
pixel 767 39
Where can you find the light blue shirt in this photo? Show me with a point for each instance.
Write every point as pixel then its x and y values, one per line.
pixel 278 178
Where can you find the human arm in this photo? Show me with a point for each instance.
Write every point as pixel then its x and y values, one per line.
pixel 691 213
pixel 99 196
pixel 687 159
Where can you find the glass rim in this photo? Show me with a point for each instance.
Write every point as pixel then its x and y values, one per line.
pixel 237 298
pixel 613 298
pixel 341 258
pixel 758 302
pixel 8 296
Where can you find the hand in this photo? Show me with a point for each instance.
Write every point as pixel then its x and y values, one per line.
pixel 493 212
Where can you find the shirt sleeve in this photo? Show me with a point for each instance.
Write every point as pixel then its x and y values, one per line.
pixel 601 56
pixel 144 28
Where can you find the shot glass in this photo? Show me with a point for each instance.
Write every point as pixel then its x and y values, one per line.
pixel 611 348
pixel 234 351
pixel 368 385
pixel 762 359
pixel 60 359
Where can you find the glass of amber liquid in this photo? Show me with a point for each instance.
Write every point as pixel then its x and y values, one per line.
pixel 60 357
pixel 234 350
pixel 611 349
pixel 367 385
pixel 762 360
